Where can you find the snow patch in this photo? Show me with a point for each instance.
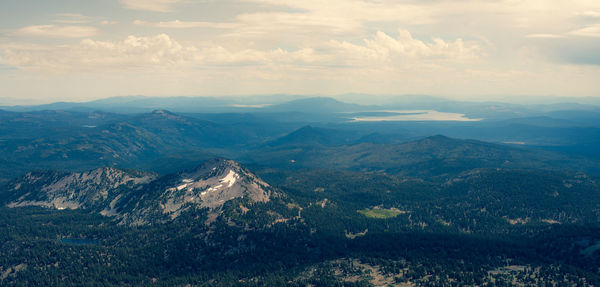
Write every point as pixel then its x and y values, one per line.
pixel 214 188
pixel 230 178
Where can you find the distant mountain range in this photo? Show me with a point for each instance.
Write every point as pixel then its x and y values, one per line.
pixel 432 156
pixel 311 105
pixel 163 141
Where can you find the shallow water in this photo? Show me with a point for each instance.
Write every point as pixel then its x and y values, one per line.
pixel 414 115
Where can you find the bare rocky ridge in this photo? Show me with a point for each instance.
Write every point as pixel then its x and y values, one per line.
pixel 74 190
pixel 137 198
pixel 211 185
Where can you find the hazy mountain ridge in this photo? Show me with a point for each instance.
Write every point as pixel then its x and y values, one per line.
pixel 81 141
pixel 140 104
pixel 317 105
pixel 115 141
pixel 432 156
pixel 309 135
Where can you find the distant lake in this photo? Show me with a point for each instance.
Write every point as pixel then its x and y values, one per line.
pixel 251 106
pixel 410 115
pixel 78 241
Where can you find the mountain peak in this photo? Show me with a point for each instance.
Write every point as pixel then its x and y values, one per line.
pixel 161 115
pixel 162 112
pixel 308 135
pixel 208 186
pixel 437 137
pixel 315 106
pixel 140 198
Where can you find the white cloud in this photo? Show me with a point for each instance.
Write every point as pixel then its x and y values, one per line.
pixel 150 5
pixel 357 10
pixel 545 36
pixel 589 14
pixel 404 49
pixel 97 55
pixel 163 51
pixel 454 46
pixel 72 18
pixel 176 24
pixel 270 23
pixel 592 31
pixel 131 53
pixel 55 31
pixel 589 31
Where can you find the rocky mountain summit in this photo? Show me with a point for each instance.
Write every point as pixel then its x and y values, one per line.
pixel 212 184
pixel 208 186
pixel 138 198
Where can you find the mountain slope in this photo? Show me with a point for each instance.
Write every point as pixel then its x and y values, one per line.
pixel 309 135
pixel 209 186
pixel 431 156
pixel 48 140
pixel 139 198
pixel 63 190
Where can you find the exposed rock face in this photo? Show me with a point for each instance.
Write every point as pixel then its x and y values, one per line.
pixel 211 185
pixel 138 198
pixel 74 190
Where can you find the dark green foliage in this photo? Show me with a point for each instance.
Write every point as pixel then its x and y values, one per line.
pixel 309 228
pixel 436 156
pixel 183 252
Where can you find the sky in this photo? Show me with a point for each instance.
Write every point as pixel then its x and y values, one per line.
pixel 79 50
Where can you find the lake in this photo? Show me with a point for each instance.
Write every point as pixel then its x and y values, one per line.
pixel 410 115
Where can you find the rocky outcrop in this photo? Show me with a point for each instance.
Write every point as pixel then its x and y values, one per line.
pixel 74 190
pixel 138 198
